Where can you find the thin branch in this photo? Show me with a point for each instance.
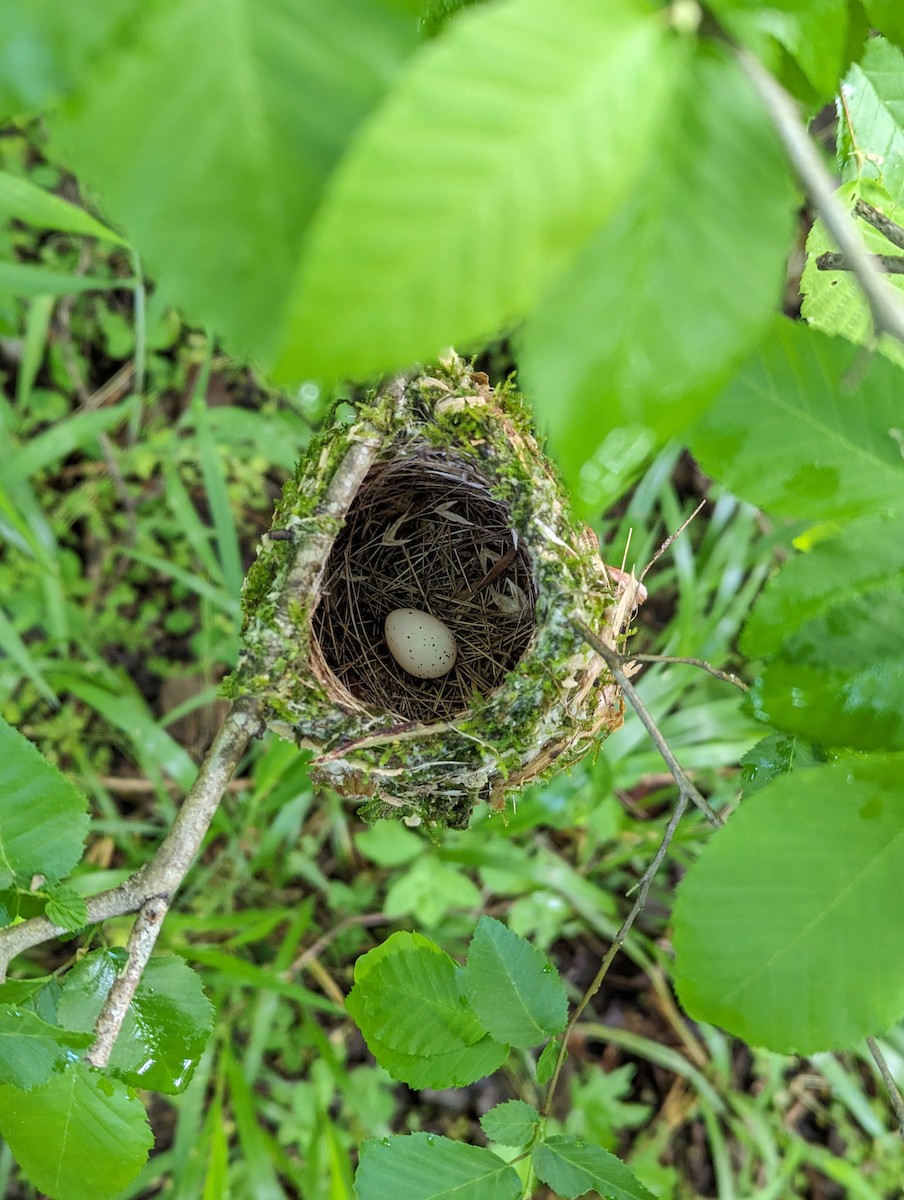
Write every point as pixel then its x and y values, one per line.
pixel 889 264
pixel 894 1092
pixel 613 661
pixel 643 889
pixel 884 303
pixel 725 676
pixel 160 877
pixel 889 229
pixel 116 1006
pixel 669 540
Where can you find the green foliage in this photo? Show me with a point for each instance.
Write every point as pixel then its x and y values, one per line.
pixel 818 448
pixel 166 1029
pixel 804 877
pixel 248 124
pixel 647 325
pixel 512 1123
pixel 322 190
pixel 513 987
pixel 572 1168
pixel 425 1167
pixel 30 1049
pixel 79 1137
pixel 438 197
pixel 42 820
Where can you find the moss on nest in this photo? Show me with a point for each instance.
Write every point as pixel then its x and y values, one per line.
pixel 547 704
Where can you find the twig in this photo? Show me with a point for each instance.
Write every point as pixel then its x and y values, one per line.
pixel 884 303
pixel 116 1006
pixel 643 888
pixel 889 264
pixel 894 1092
pixel 160 877
pixel 891 231
pixel 613 661
pixel 725 676
pixel 669 540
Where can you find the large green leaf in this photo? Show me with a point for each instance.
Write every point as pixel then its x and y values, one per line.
pixel 514 989
pixel 80 1137
pixel 506 144
pixel 407 998
pixel 219 130
pixel 30 1049
pixel 807 429
pixel 425 1167
pixel 452 1068
pixel 830 626
pixel 167 1025
pixel 572 1168
pixel 42 817
pixel 788 928
pixel 888 17
pixel 672 291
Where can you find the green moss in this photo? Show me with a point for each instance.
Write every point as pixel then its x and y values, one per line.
pixel 440 774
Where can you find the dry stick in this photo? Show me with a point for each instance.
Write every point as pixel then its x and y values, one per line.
pixel 725 676
pixel 160 878
pixel 886 226
pixel 619 939
pixel 890 264
pixel 894 1092
pixel 884 303
pixel 613 661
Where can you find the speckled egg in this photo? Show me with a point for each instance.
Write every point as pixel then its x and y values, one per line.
pixel 421 645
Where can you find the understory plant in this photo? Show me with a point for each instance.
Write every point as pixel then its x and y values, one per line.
pixel 617 196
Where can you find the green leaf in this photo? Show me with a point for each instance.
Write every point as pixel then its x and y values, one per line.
pixel 49 48
pixel 514 989
pixel 25 201
pixel 507 142
pixel 664 300
pixel 80 1137
pixel 830 622
pixel 821 446
pixel 871 131
pixel 42 817
pixel 572 1168
pixel 887 16
pixel 167 1026
pixel 423 1166
pixel 22 279
pixel 389 844
pixel 804 880
pixel 546 1063
pixel 832 300
pixel 219 131
pixel 455 1068
pixel 407 997
pixel 65 907
pixel 512 1123
pixel 776 755
pixel 30 1049
pixel 428 890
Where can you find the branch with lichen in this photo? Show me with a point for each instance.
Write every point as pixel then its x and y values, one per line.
pixel 150 890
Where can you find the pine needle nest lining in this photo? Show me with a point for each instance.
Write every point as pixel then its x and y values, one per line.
pixel 434 496
pixel 424 532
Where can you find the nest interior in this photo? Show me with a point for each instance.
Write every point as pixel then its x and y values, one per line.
pixel 425 532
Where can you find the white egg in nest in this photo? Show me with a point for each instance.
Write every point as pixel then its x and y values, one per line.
pixel 420 643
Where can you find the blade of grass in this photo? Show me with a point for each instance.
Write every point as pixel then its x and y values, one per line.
pixel 25 201
pixel 13 646
pixel 34 346
pixel 253 1142
pixel 23 279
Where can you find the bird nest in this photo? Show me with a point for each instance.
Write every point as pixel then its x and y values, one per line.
pixel 424 532
pixel 434 497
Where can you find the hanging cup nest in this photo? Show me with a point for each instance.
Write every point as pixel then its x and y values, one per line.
pixel 409 616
